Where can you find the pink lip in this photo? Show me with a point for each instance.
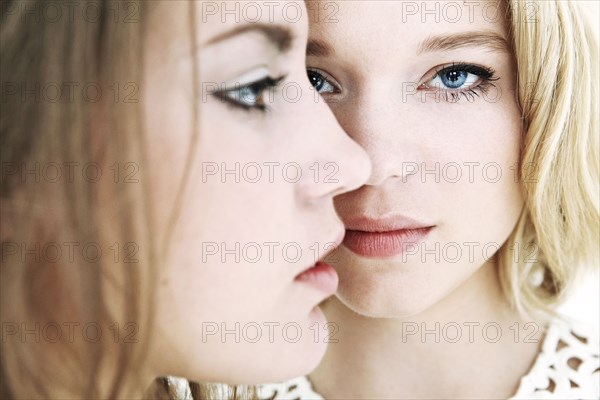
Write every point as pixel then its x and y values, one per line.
pixel 321 276
pixel 385 237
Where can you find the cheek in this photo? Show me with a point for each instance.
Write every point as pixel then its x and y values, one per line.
pixel 474 213
pixel 217 247
pixel 484 204
pixel 168 133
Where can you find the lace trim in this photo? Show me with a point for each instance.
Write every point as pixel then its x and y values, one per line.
pixel 568 367
pixel 295 389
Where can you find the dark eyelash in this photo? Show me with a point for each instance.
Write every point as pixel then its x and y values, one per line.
pixel 258 86
pixel 486 74
pixel 469 94
pixel 325 76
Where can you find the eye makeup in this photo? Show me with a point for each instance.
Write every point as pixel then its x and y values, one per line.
pixel 460 80
pixel 251 96
pixel 450 82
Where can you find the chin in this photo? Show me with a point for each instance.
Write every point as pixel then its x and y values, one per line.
pixel 294 354
pixel 388 295
pixel 387 307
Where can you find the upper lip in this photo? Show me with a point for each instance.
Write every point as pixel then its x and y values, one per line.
pixel 383 224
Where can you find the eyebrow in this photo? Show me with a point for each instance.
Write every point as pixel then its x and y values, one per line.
pixel 279 35
pixel 491 40
pixel 317 48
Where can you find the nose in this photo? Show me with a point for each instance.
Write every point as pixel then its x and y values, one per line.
pixel 388 139
pixel 339 165
pixel 385 165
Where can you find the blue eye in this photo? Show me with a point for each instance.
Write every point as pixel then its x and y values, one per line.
pixel 459 80
pixel 247 96
pixel 250 96
pixel 319 82
pixel 453 79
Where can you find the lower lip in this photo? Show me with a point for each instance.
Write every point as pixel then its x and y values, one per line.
pixel 322 277
pixel 384 244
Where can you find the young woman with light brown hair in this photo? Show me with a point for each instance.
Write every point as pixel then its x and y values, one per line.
pixel 154 171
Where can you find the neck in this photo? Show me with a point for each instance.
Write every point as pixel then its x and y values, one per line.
pixel 470 344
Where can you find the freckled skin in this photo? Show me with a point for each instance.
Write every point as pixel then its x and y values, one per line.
pixel 419 144
pixel 448 164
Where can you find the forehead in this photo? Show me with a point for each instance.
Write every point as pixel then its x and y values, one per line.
pixel 170 22
pixel 216 17
pixel 400 24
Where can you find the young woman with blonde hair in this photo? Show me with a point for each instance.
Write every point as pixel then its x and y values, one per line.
pixel 154 171
pixel 482 210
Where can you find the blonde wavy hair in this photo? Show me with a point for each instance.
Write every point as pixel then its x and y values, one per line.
pixel 556 53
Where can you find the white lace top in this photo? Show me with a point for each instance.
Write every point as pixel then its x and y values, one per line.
pixel 568 367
